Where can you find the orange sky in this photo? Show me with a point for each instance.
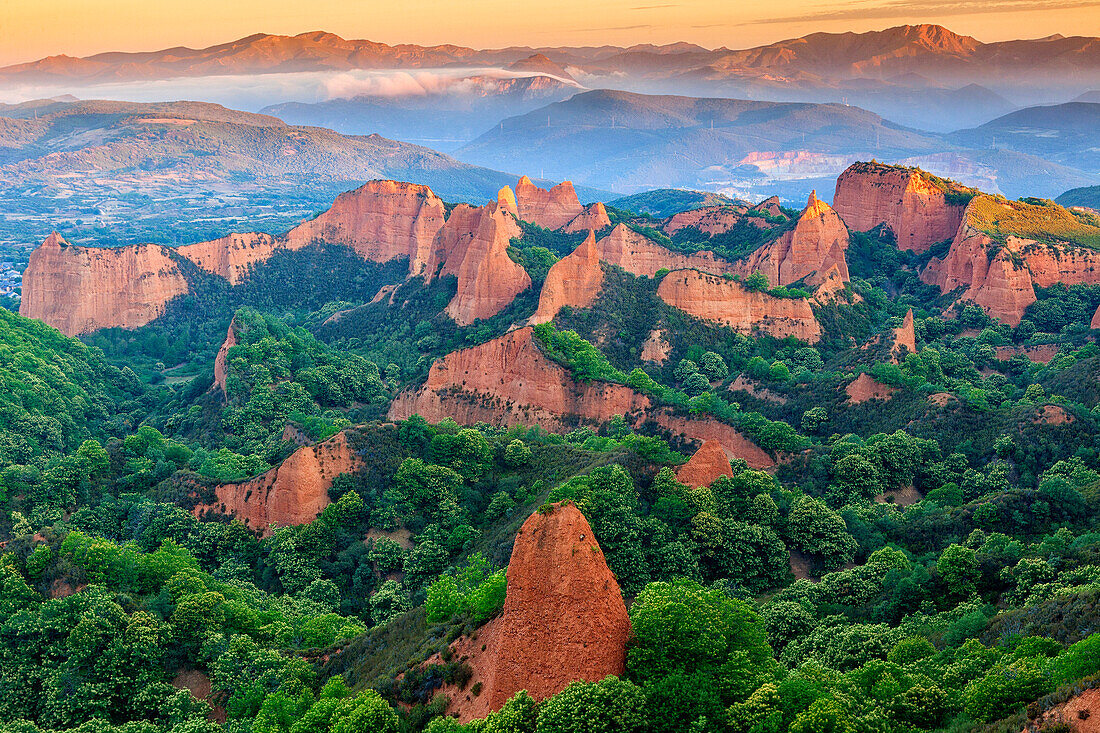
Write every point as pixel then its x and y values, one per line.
pixel 30 29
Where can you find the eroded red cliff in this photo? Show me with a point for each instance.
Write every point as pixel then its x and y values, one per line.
pixel 906 200
pixel 640 255
pixel 81 289
pixel 509 381
pixel 592 219
pixel 708 220
pixel 815 245
pixel 714 298
pixel 705 465
pixel 381 220
pixel 294 492
pixel 221 361
pixel 574 280
pixel 551 209
pixel 473 246
pixel 232 256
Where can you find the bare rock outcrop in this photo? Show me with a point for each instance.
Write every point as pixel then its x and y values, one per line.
pixel 656 349
pixel 708 220
pixel 640 255
pixel 473 246
pixel 714 298
pixel 701 430
pixel 1001 276
pixel 380 220
pixel 814 246
pixel 865 387
pixel 506 199
pixel 564 618
pixel 574 280
pixel 770 206
pixel 1095 323
pixel 904 199
pixel 905 338
pixel 232 256
pixel 221 361
pixel 509 381
pixel 705 465
pixel 551 209
pixel 592 219
pixel 81 289
pixel 294 492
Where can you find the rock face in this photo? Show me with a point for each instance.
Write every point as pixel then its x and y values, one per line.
pixel 709 219
pixel 381 220
pixel 699 430
pixel 1095 319
pixel 655 349
pixel 564 618
pixel 640 255
pixel 551 209
pixel 221 361
pixel 592 219
pixel 814 246
pixel 509 381
pixel 294 492
pixel 714 298
pixel 904 199
pixel 473 246
pixel 81 289
pixel 905 338
pixel 864 387
pixel 705 466
pixel 232 256
pixel 574 280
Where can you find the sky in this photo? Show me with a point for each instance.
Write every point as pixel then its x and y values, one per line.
pixel 32 29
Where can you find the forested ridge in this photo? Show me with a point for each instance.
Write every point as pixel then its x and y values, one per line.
pixel 924 561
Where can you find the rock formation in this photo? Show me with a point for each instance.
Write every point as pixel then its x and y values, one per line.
pixel 294 492
pixel 904 199
pixel 865 387
pixel 709 219
pixel 473 246
pixel 640 255
pixel 232 256
pixel 551 209
pixel 701 430
pixel 221 361
pixel 506 200
pixel 564 617
pixel 1001 276
pixel 574 280
pixel 717 299
pixel 1095 323
pixel 814 246
pixel 592 219
pixel 655 349
pixel 509 381
pixel 705 465
pixel 770 206
pixel 81 289
pixel 381 220
pixel 905 338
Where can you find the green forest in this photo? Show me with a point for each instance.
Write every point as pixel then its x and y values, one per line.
pixel 929 562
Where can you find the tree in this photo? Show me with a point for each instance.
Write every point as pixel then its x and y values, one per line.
pixel 756 282
pixel 696 384
pixel 517 454
pixel 958 567
pixel 367 712
pixel 713 366
pixel 608 706
pixel 685 369
pixel 820 531
pixel 813 418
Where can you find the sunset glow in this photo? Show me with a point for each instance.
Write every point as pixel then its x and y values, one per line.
pixel 33 30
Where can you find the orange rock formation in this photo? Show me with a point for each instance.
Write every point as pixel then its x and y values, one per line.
pixel 714 298
pixel 592 219
pixel 294 492
pixel 574 280
pixel 221 361
pixel 473 246
pixel 551 209
pixel 656 349
pixel 701 430
pixel 915 209
pixel 81 289
pixel 814 246
pixel 564 617
pixel 509 381
pixel 232 256
pixel 705 465
pixel 1004 283
pixel 905 338
pixel 640 255
pixel 381 220
pixel 864 387
pixel 709 219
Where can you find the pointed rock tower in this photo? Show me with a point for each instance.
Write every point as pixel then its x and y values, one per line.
pixel 574 280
